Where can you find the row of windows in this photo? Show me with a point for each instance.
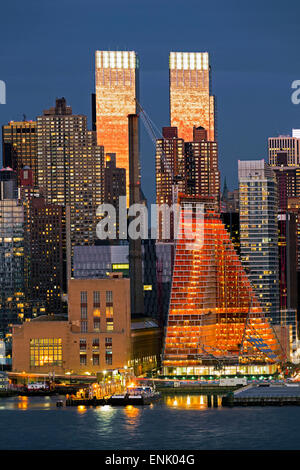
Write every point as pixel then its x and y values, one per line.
pixel 96 359
pixel 96 297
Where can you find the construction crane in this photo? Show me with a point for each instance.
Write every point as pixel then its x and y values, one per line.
pixel 155 134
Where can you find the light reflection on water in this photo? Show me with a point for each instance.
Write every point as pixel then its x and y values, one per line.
pixel 36 423
pixel 190 402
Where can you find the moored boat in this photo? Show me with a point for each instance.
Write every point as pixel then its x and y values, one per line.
pixel 135 396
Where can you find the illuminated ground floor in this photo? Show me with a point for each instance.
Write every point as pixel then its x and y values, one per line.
pixel 249 369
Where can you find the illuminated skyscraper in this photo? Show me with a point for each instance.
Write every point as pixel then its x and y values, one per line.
pixel 191 103
pixel 116 90
pixel 259 232
pixel 19 146
pixel 214 314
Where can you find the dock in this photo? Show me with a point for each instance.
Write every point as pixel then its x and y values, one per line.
pixel 264 395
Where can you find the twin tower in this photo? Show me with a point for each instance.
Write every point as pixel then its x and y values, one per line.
pixel 191 103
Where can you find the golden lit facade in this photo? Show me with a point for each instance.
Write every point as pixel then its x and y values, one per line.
pixel 116 91
pixel 191 103
pixel 213 313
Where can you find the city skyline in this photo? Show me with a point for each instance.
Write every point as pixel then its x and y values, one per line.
pixel 240 81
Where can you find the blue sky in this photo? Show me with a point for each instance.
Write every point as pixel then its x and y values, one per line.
pixel 47 51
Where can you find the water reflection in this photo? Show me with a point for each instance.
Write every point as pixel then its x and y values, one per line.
pixel 132 414
pixel 81 409
pixel 189 402
pixel 22 403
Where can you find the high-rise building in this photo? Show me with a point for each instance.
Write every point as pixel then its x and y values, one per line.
pixel 191 102
pixel 259 232
pixel 193 166
pixel 116 93
pixel 70 169
pixel 170 161
pixel 43 249
pixel 202 176
pixel 19 145
pixel 12 297
pixel 287 247
pixel 284 144
pixel 293 207
pixel 288 178
pixel 214 315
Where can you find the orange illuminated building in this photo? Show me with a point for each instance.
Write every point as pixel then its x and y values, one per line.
pixel 191 103
pixel 213 315
pixel 116 91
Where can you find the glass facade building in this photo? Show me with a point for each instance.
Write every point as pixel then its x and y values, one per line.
pixel 259 232
pixel 12 297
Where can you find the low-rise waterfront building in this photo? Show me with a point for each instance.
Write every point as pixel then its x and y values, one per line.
pixel 97 335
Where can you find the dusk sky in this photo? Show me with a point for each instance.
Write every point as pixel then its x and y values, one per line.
pixel 47 51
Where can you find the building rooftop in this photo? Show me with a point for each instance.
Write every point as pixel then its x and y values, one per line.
pixel 143 323
pixel 51 318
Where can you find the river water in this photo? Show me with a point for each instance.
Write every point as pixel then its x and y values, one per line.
pixel 177 422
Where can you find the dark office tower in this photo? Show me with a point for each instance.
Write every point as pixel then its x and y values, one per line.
pixel 70 169
pixel 294 209
pixel 114 186
pixel 12 299
pixel 231 221
pixel 43 249
pixel 287 247
pixel 135 246
pixel 94 116
pixel 170 164
pixel 202 176
pixel 19 145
